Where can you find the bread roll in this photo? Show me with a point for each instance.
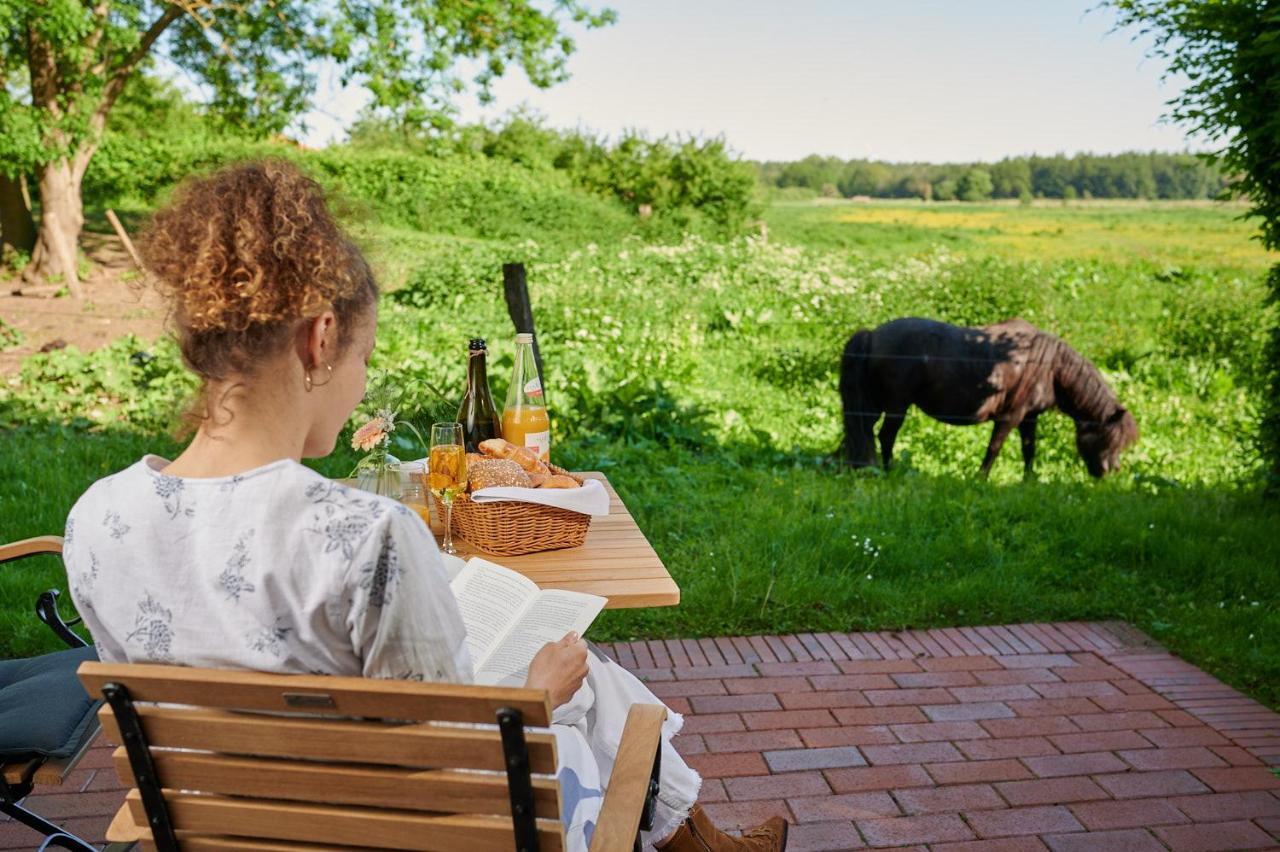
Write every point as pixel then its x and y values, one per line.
pixel 497 473
pixel 561 481
pixel 538 479
pixel 498 448
pixel 528 460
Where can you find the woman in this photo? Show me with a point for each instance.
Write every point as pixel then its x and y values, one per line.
pixel 234 555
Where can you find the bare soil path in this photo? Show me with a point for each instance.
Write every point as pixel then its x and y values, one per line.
pixel 116 303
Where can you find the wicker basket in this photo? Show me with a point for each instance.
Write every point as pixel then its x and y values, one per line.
pixel 512 528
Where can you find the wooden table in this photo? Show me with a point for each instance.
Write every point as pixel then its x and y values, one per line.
pixel 616 561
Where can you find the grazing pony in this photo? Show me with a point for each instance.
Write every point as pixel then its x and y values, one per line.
pixel 1006 373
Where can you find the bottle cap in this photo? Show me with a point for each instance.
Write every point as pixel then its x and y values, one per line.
pixel 524 337
pixel 476 343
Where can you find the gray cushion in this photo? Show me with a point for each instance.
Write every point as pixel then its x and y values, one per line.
pixel 44 711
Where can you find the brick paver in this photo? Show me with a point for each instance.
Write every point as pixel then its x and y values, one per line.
pixel 1075 736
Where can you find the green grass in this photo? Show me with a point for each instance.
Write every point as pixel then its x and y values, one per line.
pixel 1195 233
pixel 701 377
pixel 795 546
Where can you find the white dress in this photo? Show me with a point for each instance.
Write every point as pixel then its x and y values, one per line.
pixel 279 569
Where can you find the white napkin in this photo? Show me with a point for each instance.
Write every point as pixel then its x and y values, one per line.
pixel 590 499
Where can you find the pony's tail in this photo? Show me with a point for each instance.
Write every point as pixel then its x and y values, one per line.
pixel 859 413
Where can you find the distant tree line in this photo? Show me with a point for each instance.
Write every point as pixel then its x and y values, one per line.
pixel 1130 175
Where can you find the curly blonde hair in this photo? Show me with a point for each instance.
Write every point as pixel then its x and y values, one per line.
pixel 242 255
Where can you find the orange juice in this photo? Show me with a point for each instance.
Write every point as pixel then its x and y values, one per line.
pixel 414 497
pixel 524 419
pixel 528 426
pixel 422 508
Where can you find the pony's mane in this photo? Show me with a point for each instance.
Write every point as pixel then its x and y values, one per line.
pixel 1040 356
pixel 1082 392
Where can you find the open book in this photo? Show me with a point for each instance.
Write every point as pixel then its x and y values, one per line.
pixel 509 619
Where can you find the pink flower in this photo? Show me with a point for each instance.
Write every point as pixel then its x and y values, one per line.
pixel 370 434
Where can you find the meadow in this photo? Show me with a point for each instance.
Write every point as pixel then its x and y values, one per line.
pixel 699 372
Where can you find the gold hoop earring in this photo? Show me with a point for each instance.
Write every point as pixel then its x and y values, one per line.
pixel 309 383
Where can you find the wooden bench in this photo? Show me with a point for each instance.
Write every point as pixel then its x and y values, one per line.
pixel 355 763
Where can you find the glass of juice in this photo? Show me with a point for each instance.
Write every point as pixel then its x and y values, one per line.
pixel 447 473
pixel 413 496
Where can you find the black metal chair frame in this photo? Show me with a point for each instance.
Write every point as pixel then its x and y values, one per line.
pixel 13 794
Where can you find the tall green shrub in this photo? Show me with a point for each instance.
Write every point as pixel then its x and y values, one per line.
pixel 1229 51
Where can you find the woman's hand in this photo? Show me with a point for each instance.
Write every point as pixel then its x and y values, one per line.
pixel 559 668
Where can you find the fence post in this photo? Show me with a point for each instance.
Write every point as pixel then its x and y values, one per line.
pixel 516 289
pixel 125 241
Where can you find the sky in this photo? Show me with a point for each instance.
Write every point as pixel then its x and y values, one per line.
pixel 898 80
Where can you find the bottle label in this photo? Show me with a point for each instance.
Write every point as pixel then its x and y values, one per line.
pixel 540 443
pixel 533 387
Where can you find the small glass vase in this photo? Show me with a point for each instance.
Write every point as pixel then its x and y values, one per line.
pixel 381 476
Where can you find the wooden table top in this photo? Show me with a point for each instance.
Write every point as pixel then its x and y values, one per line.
pixel 616 561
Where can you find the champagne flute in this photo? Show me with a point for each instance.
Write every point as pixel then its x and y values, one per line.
pixel 447 473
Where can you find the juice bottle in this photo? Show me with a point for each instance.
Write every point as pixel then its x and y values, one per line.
pixel 524 419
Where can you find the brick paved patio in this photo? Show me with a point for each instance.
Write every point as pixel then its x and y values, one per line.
pixel 1067 736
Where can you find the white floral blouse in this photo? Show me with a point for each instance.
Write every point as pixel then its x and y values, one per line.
pixel 277 569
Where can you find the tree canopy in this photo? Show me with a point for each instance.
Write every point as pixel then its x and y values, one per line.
pixel 64 63
pixel 1229 51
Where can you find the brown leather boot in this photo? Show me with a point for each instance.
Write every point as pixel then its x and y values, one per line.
pixel 699 834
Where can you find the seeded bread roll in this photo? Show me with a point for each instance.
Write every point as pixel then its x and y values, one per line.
pixel 497 473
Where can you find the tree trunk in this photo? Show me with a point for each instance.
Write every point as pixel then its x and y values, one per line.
pixel 61 219
pixel 17 229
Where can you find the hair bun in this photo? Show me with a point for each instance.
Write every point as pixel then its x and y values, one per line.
pixel 243 253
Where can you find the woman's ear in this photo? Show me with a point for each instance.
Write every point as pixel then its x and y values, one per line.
pixel 322 340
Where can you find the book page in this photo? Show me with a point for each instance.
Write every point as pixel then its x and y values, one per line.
pixel 492 599
pixel 553 614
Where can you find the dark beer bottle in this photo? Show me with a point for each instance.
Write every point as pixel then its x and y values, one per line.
pixel 477 414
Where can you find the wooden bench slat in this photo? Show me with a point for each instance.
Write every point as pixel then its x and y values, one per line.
pixel 124 830
pixel 624 799
pixel 363 827
pixel 346 696
pixel 239 844
pixel 411 745
pixel 20 771
pixel 29 547
pixel 434 790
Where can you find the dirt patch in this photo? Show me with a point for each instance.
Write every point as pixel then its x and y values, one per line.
pixel 115 303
